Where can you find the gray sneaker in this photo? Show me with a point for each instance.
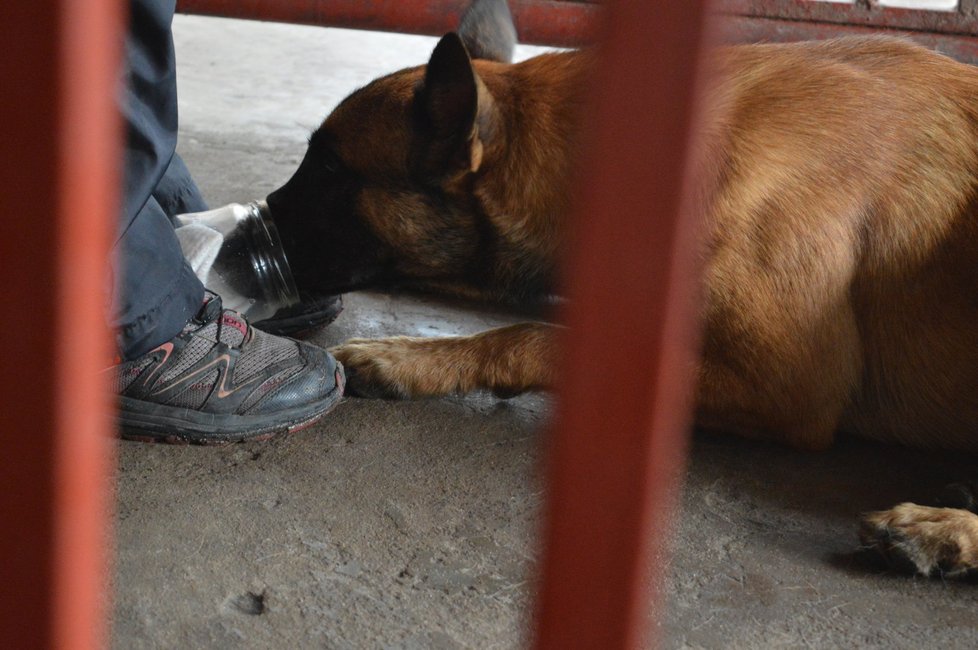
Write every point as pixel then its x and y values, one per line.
pixel 223 381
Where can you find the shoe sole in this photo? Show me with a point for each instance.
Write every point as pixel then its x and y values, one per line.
pixel 304 323
pixel 146 422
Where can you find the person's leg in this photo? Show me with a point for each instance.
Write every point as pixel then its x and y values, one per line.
pixel 193 371
pixel 177 192
pixel 156 292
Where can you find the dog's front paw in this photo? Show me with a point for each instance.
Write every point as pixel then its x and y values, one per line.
pixel 374 368
pixel 929 541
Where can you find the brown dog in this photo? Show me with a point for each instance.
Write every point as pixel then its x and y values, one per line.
pixel 841 245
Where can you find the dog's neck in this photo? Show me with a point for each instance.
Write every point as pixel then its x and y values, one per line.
pixel 524 185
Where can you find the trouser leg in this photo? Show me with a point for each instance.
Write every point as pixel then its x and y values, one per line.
pixel 177 192
pixel 155 291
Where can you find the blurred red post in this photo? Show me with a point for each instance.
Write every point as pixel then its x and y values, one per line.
pixel 58 170
pixel 624 403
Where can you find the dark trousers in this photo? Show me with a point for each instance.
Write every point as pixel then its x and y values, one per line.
pixel 155 290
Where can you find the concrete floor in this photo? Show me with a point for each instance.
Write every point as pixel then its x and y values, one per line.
pixel 412 525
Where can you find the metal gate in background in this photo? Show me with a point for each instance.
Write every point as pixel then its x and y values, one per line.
pixel 949 26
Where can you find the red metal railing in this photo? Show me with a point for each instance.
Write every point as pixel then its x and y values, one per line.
pixel 623 409
pixel 623 412
pixel 754 29
pixel 58 169
pixel 552 22
pixel 576 22
pixel 864 13
pixel 954 33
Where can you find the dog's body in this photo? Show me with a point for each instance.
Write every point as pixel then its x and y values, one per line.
pixel 840 255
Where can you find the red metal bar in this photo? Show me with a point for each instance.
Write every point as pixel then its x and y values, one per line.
pixel 623 411
pixel 548 22
pixel 58 169
pixel 865 13
pixel 571 23
pixel 746 29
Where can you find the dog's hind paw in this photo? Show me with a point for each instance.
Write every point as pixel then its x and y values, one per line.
pixel 924 540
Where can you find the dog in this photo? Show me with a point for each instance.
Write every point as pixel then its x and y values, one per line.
pixel 839 252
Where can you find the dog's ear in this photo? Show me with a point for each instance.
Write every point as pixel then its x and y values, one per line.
pixel 456 103
pixel 487 30
pixel 450 92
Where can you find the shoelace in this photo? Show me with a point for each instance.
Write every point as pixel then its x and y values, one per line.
pixel 213 311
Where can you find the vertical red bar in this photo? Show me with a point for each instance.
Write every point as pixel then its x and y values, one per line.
pixel 58 168
pixel 623 410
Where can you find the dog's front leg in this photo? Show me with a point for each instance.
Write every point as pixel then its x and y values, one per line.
pixel 507 361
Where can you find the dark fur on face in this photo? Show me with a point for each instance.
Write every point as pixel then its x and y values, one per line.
pixel 393 200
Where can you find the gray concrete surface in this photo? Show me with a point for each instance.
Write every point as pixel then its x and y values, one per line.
pixel 413 525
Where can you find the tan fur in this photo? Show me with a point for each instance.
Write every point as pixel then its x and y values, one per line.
pixel 508 361
pixel 840 279
pixel 932 540
pixel 839 257
pixel 840 272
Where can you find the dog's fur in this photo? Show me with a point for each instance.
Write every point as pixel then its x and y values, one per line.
pixel 840 255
